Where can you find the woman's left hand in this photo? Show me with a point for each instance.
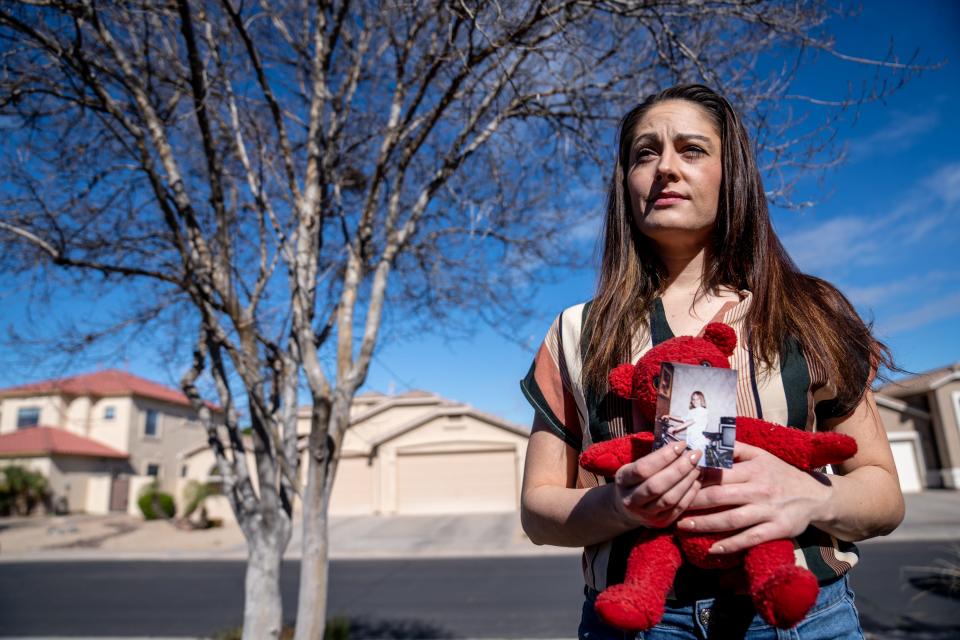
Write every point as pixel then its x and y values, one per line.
pixel 769 500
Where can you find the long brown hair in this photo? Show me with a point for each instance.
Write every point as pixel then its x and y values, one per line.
pixel 744 253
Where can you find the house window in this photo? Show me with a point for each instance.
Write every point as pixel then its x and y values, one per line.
pixel 153 470
pixel 28 417
pixel 150 425
pixel 109 412
pixel 183 471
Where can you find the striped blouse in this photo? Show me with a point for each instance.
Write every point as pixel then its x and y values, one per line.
pixel 793 392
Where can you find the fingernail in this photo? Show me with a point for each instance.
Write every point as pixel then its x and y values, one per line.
pixel 694 456
pixel 688 524
pixel 717 548
pixel 677 449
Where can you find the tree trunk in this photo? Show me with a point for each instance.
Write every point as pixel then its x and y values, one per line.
pixel 262 608
pixel 312 600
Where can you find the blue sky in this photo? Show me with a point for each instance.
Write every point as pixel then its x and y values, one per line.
pixel 884 229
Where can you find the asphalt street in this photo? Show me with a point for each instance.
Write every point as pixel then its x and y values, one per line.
pixel 530 597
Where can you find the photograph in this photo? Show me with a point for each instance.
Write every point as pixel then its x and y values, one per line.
pixel 684 413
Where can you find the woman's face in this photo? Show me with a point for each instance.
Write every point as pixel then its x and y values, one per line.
pixel 674 174
pixel 697 400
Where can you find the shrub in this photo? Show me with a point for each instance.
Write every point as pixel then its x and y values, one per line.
pixel 195 494
pixel 338 628
pixel 21 490
pixel 155 504
pixel 145 502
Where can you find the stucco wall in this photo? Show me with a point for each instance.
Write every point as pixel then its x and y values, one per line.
pixel 903 419
pixel 98 494
pixel 116 432
pixel 177 431
pixel 52 413
pixel 359 436
pixel 75 473
pixel 78 415
pixel 355 489
pixel 34 464
pixel 945 405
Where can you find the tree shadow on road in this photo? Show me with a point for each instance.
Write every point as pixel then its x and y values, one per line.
pixel 942 585
pixel 369 628
pixel 908 626
pixel 930 612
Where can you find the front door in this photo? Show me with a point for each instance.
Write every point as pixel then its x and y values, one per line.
pixel 119 488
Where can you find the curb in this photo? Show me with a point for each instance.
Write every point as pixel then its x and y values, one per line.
pixel 938 535
pixel 177 556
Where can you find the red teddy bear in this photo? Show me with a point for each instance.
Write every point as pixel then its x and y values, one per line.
pixel 781 591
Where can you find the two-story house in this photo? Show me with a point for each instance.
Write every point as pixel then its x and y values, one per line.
pixel 98 437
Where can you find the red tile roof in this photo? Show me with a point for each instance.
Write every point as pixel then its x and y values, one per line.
pixel 45 441
pixel 110 382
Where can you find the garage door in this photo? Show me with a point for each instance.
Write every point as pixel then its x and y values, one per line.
pixel 905 457
pixel 353 488
pixel 464 482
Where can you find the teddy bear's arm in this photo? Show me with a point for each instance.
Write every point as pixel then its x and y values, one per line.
pixel 803 450
pixel 604 458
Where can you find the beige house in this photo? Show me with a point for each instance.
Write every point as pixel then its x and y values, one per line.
pixel 99 436
pixel 412 453
pixel 922 417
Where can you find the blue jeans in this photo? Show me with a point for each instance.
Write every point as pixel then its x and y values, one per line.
pixel 832 617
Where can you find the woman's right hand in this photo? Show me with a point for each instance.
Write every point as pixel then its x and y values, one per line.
pixel 654 490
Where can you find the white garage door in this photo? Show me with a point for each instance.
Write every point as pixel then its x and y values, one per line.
pixel 464 482
pixel 905 457
pixel 353 488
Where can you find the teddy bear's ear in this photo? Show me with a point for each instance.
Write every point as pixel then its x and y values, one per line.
pixel 723 336
pixel 621 380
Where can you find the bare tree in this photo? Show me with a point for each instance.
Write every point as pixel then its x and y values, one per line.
pixel 275 174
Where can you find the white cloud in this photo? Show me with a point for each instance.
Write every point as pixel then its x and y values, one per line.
pixel 897 135
pixel 585 205
pixel 587 229
pixel 856 241
pixel 836 242
pixel 873 295
pixel 922 227
pixel 945 183
pixel 938 309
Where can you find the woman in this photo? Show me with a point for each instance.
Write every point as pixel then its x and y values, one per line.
pixel 688 240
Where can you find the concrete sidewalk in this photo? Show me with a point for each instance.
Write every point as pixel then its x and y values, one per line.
pixel 932 515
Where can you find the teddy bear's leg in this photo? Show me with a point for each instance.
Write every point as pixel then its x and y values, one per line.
pixel 782 592
pixel 604 458
pixel 637 604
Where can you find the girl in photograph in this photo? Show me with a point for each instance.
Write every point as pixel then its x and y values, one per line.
pixel 688 240
pixel 696 420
